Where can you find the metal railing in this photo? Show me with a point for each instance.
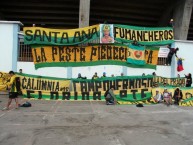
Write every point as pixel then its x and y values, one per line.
pixel 25 52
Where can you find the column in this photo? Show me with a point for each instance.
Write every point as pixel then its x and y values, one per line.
pixel 84 13
pixel 9 45
pixel 182 16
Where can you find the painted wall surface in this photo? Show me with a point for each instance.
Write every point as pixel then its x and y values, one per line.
pixel 28 67
pixel 6 46
pixel 9 45
pixel 186 52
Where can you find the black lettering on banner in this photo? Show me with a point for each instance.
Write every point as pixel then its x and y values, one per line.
pixel 53 85
pixel 143 82
pixel 43 55
pixel 94 31
pixel 82 54
pixel 99 53
pixel 44 85
pixel 103 52
pixel 161 35
pixel 150 82
pixel 134 94
pixel 39 94
pixel 96 95
pixel 85 95
pixel 54 52
pixel 52 94
pixel 98 85
pixel 57 88
pixel 29 35
pixel 29 83
pixel 143 95
pixel 56 36
pixel 91 86
pixel 112 83
pixel 171 35
pixel 139 36
pixel 150 57
pixel 121 53
pixel 93 53
pixel 75 95
pixel 85 36
pixel 133 37
pixel 37 34
pixel 166 35
pixel 61 53
pixel 47 37
pixel 68 56
pixel 29 92
pixel 151 34
pixel 109 52
pixel 131 83
pixel 123 93
pixel 138 83
pixel 24 80
pixel 127 33
pixel 37 57
pixel 156 38
pixel 34 88
pixel 64 36
pixel 49 86
pixel 125 84
pixel 75 50
pixel 77 37
pixel 144 34
pixel 74 85
pixel 65 95
pixel 115 53
pixel 116 31
pixel 121 33
pixel 106 85
pixel 83 86
pixel 118 84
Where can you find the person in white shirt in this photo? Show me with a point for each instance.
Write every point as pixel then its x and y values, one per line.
pixel 158 97
pixel 167 97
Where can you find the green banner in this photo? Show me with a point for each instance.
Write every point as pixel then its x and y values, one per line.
pixel 143 35
pixel 128 89
pixel 64 56
pixel 136 55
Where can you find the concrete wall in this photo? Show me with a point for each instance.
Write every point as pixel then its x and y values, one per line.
pixel 9 45
pixel 28 67
pixel 186 52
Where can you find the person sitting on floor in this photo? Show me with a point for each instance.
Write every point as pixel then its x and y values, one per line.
pixel 110 97
pixel 177 96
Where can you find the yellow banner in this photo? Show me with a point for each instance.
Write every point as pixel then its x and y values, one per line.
pixel 47 56
pixel 38 35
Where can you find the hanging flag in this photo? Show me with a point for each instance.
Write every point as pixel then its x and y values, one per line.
pixel 136 55
pixel 180 65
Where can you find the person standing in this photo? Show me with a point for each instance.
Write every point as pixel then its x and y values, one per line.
pixel 188 80
pixel 13 94
pixel 172 51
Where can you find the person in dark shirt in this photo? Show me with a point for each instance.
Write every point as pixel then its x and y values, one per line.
pixel 170 54
pixel 177 96
pixel 188 80
pixel 80 77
